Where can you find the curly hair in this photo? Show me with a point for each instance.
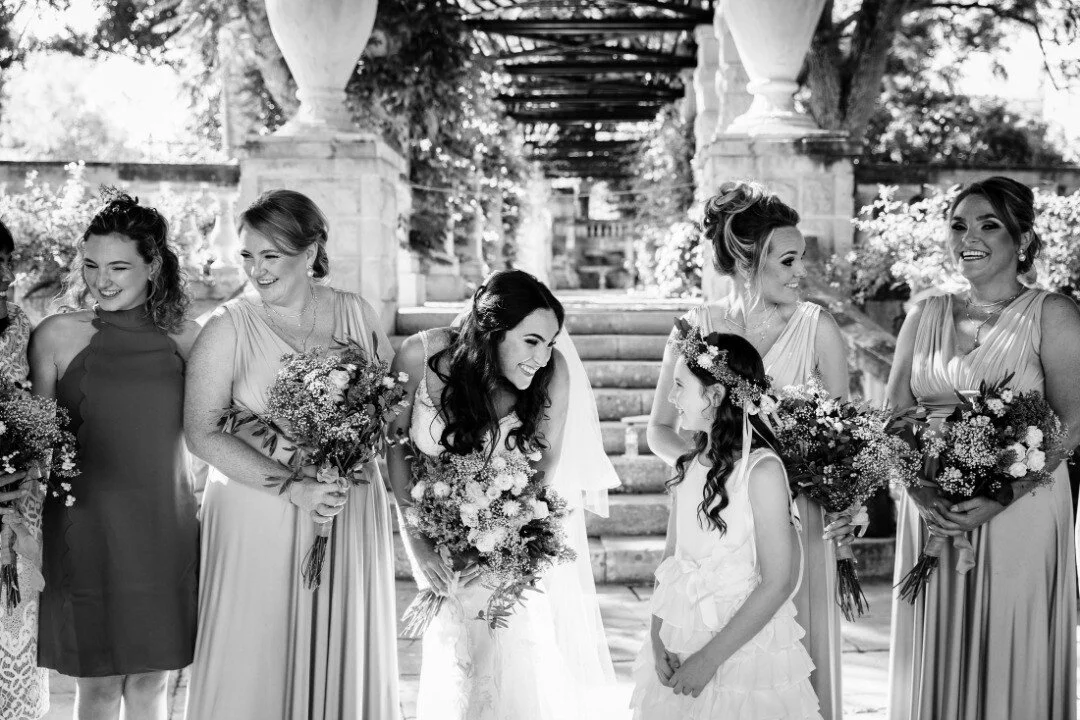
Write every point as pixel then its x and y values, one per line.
pixel 167 298
pixel 739 221
pixel 1014 204
pixel 473 376
pixel 726 430
pixel 293 223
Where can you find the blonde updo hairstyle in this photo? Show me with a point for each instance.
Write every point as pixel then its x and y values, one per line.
pixel 739 222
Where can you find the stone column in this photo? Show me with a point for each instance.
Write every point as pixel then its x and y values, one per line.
pixel 706 100
pixel 688 106
pixel 354 177
pixel 770 142
pixel 731 78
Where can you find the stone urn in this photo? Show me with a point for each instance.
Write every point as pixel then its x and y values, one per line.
pixel 772 37
pixel 321 41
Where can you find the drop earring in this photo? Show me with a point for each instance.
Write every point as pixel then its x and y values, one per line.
pixel 311 272
pixel 1022 256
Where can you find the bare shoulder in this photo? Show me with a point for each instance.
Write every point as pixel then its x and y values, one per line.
pixel 62 328
pixel 828 328
pixel 1059 309
pixel 410 356
pixel 218 329
pixel 769 467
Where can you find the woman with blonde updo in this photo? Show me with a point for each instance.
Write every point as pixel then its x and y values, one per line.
pixel 756 242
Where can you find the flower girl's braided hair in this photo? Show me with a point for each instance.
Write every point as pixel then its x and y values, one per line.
pixel 739 222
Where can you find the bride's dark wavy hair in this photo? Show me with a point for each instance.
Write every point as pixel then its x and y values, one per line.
pixel 726 431
pixel 473 376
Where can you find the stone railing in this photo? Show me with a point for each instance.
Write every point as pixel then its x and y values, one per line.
pixel 603 235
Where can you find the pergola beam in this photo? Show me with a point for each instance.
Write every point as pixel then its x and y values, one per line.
pixel 674 64
pixel 580 97
pixel 584 115
pixel 622 26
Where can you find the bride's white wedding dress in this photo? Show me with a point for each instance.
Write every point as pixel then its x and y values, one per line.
pixel 545 664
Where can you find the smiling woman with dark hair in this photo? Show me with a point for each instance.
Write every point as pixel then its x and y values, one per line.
pixel 121 565
pixel 999 640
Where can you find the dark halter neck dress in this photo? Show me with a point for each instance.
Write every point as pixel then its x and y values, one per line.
pixel 121 564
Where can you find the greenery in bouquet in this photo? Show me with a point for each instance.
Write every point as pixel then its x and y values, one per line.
pixel 839 454
pixel 333 407
pixel 494 512
pixel 33 439
pixel 994 438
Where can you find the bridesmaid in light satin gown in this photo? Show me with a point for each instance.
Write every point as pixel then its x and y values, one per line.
pixel 268 648
pixel 756 242
pixel 999 642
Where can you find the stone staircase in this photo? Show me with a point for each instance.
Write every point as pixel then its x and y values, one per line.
pixel 621 345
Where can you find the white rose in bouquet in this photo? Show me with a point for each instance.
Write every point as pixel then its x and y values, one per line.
pixel 540 509
pixel 1034 437
pixel 1018 469
pixel 418 491
pixel 440 489
pixel 1036 459
pixel 1018 450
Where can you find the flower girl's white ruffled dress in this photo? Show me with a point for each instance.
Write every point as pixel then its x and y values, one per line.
pixel 698 591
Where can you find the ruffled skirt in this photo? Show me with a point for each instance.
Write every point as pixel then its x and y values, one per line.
pixel 768 678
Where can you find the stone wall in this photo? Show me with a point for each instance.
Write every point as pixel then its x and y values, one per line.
pixel 911 180
pixel 136 178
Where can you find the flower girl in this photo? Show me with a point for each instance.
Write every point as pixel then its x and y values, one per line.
pixel 724 641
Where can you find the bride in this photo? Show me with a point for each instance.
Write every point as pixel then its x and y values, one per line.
pixel 508 375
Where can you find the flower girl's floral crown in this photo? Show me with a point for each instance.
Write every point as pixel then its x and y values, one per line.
pixel 702 352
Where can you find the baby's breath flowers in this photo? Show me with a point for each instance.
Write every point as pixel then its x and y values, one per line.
pixel 839 454
pixel 33 439
pixel 495 512
pixel 334 407
pixel 995 437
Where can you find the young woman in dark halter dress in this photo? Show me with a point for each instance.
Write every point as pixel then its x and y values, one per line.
pixel 121 565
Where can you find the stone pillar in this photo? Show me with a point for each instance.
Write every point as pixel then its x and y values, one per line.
pixel 731 78
pixel 354 177
pixel 707 102
pixel 770 142
pixel 474 267
pixel 688 106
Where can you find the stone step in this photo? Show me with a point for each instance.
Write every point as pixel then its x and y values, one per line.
pixel 633 560
pixel 640 475
pixel 614 433
pixel 604 347
pixel 622 373
pixel 579 321
pixel 631 515
pixel 617 403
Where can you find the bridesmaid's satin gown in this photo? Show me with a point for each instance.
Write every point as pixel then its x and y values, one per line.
pixel 997 643
pixel 792 360
pixel 268 648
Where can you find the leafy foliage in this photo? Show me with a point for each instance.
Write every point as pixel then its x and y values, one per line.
pixel 663 192
pixel 47 223
pixel 904 247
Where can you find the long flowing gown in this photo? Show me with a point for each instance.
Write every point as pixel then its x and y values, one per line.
pixel 24 687
pixel 698 591
pixel 999 642
pixel 121 564
pixel 470 673
pixel 268 648
pixel 792 360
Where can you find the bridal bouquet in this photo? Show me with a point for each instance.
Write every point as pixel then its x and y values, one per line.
pixel 839 454
pixel 491 511
pixel 995 437
pixel 334 409
pixel 32 438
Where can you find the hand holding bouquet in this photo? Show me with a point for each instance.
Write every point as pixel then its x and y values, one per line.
pixel 334 408
pixel 32 440
pixel 493 512
pixel 839 454
pixel 993 439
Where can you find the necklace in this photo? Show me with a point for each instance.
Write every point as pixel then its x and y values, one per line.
pixel 314 314
pixel 761 329
pixel 998 308
pixel 297 316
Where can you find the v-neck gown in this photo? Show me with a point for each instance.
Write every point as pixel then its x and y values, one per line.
pixel 999 642
pixel 792 360
pixel 268 648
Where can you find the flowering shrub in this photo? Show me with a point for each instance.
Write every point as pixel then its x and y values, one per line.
pixel 47 221
pixel 904 251
pixel 679 258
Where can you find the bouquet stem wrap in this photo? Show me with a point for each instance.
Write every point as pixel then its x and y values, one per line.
pixel 914 583
pixel 312 567
pixel 849 593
